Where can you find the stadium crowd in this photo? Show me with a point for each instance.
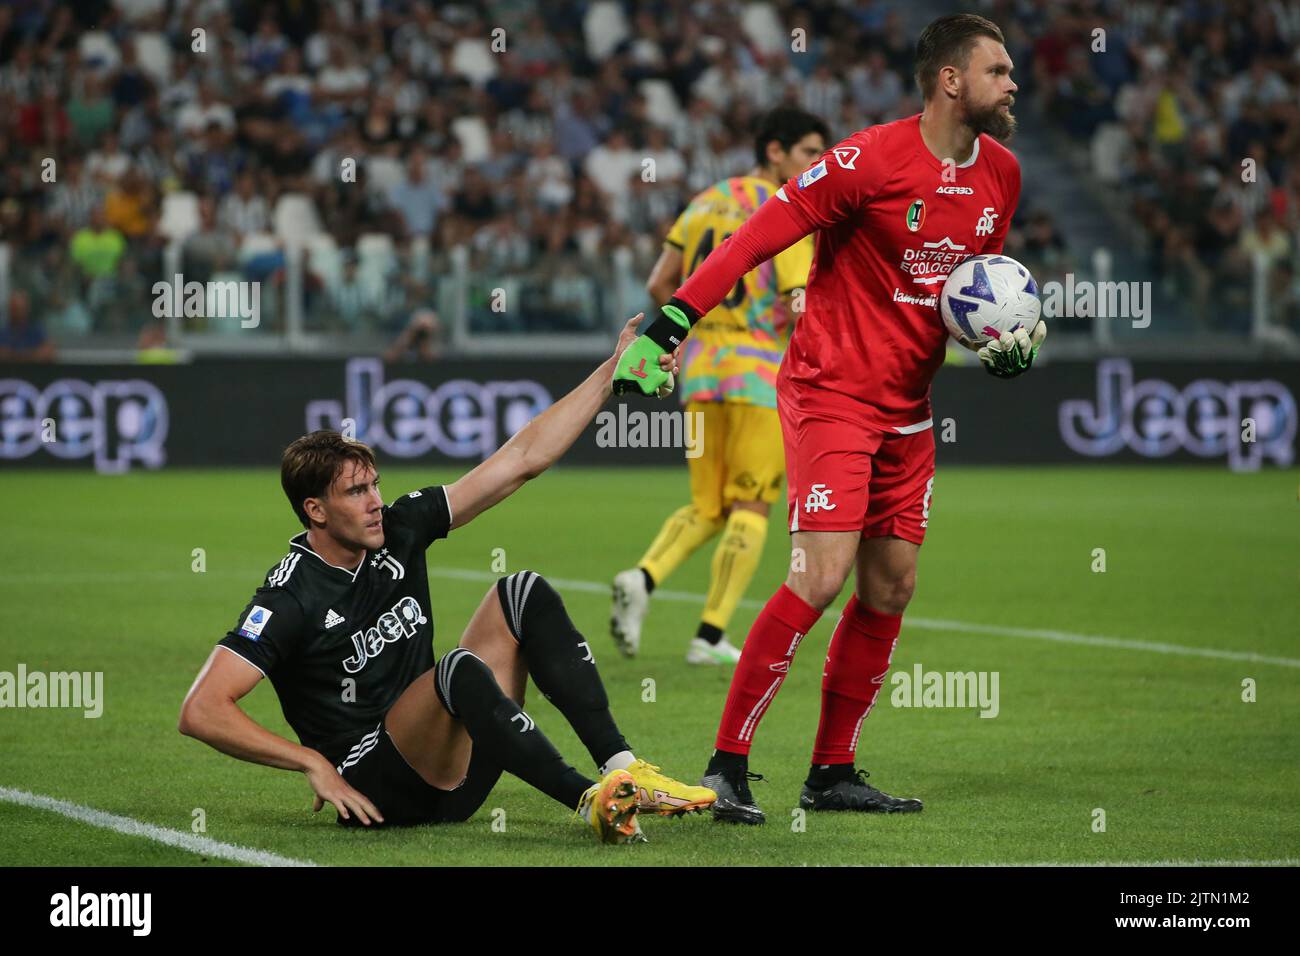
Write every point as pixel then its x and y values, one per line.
pixel 1191 112
pixel 403 143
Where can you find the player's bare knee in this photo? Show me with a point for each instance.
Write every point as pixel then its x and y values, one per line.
pixel 817 587
pixel 891 594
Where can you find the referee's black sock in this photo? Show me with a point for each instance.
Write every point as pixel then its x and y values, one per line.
pixel 560 661
pixel 501 730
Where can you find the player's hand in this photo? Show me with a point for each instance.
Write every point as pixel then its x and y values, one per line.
pixel 331 788
pixel 643 366
pixel 1014 352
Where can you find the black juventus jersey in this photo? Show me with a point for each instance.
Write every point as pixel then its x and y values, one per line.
pixel 341 645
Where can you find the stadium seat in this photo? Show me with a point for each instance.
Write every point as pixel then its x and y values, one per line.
pixel 324 259
pixel 475 139
pixel 383 173
pixel 376 261
pixel 154 56
pixel 97 49
pixel 661 105
pixel 1108 145
pixel 180 216
pixel 295 219
pixel 604 27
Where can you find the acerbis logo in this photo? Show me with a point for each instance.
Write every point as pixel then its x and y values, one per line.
pixel 954 191
pixel 407 419
pixel 393 625
pixel 846 156
pixel 1155 418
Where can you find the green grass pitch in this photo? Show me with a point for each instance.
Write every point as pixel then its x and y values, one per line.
pixel 96 575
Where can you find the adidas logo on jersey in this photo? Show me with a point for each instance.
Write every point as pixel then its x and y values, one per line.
pixel 333 617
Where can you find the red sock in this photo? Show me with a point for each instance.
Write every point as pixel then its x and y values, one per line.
pixel 763 664
pixel 856 665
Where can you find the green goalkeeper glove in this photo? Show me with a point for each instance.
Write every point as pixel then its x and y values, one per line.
pixel 1014 353
pixel 638 368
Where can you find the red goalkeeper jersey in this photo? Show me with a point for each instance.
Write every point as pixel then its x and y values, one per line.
pixel 891 221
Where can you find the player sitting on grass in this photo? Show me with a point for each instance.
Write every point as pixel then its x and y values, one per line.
pixel 343 628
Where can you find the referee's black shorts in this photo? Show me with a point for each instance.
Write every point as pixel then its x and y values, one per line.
pixel 375 767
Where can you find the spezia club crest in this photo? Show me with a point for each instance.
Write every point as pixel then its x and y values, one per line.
pixel 916 214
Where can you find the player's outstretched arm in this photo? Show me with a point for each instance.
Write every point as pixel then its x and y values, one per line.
pixel 539 444
pixel 771 229
pixel 211 713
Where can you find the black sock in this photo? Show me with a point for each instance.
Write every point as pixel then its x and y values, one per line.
pixel 825 774
pixel 560 661
pixel 726 760
pixel 501 730
pixel 709 633
pixel 649 581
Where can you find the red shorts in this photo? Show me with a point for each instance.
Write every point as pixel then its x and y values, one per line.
pixel 846 474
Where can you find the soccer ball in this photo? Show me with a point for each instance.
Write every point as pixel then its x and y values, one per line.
pixel 986 296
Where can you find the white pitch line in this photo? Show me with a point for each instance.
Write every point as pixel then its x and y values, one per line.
pixel 931 624
pixel 189 842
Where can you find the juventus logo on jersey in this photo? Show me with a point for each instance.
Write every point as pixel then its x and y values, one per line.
pixel 386 562
pixel 525 722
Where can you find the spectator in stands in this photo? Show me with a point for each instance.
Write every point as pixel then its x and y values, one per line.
pixel 90 111
pixel 455 143
pixel 211 243
pixel 23 340
pixel 129 206
pixel 243 210
pixel 417 198
pixel 97 248
pixel 421 338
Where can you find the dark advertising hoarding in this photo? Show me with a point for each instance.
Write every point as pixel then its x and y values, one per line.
pixel 241 412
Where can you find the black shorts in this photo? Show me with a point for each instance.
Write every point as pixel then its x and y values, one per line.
pixel 375 767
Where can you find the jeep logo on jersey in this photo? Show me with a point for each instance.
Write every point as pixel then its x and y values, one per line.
pixel 916 214
pixel 393 625
pixel 985 225
pixel 846 156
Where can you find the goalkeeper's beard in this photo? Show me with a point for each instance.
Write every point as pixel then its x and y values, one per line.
pixel 988 119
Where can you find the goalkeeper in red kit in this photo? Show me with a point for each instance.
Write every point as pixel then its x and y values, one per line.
pixel 895 207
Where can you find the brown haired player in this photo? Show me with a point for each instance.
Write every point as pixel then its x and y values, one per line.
pixel 895 207
pixel 343 628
